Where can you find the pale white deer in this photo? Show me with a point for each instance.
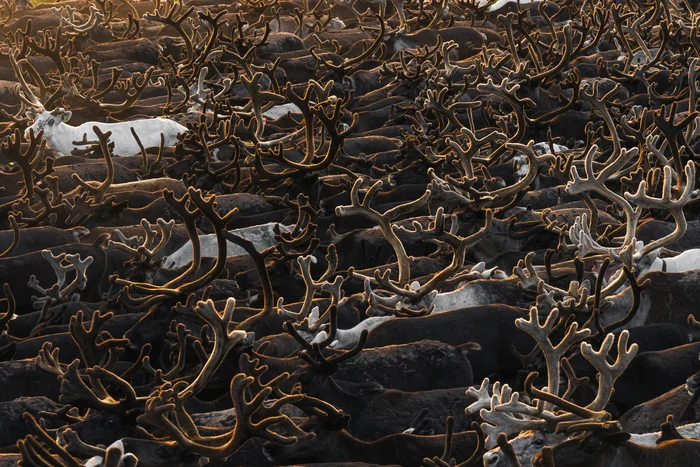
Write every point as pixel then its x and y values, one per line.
pixel 61 137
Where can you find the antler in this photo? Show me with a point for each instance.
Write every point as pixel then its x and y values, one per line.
pixel 58 293
pixel 95 19
pixel 384 221
pixel 596 183
pixel 145 249
pixel 28 160
pixel 607 373
pixel 224 340
pixel 552 354
pixel 270 425
pixel 75 391
pixel 171 18
pixel 435 232
pixel 22 89
pixel 642 199
pixel 132 91
pixel 313 286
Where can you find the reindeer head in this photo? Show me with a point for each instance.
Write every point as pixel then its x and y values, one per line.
pixel 47 121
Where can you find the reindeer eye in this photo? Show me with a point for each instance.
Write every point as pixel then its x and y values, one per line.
pixel 50 123
pixel 539 442
pixel 111 423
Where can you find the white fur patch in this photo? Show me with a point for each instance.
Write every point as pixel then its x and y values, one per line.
pixel 262 236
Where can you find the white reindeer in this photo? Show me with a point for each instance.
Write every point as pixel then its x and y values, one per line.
pixel 60 136
pixel 262 236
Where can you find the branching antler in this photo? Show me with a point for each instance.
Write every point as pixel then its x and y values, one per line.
pixel 254 418
pixel 384 221
pixel 61 264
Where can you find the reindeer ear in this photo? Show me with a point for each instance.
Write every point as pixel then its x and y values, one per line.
pixel 66 115
pixel 30 114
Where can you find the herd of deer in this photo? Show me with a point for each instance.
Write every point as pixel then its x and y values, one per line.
pixel 349 233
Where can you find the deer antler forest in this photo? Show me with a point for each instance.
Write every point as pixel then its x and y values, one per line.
pixel 349 233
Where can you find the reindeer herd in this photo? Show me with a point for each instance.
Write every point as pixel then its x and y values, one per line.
pixel 349 233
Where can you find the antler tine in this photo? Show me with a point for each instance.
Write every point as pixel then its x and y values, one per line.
pixel 22 89
pixel 573 382
pixel 95 19
pixel 348 62
pixel 335 360
pixel 384 220
pixel 675 207
pixel 443 460
pixel 572 410
pixel 48 360
pixel 166 232
pixel 595 183
pixel 132 91
pixel 76 445
pixel 651 142
pixel 608 374
pixel 199 96
pixel 224 340
pixel 74 391
pixel 437 231
pixel 377 301
pixel 332 333
pixel 513 405
pixel 145 249
pixel 26 160
pixel 131 400
pixel 11 306
pixel 507 89
pixel 56 263
pixel 289 328
pixel 482 396
pixel 171 18
pixel 59 293
pixel 163 405
pixel 206 206
pixel 91 348
pixel 41 434
pixel 80 281
pixel 534 162
pixel 129 242
pixel 475 145
pixel 259 99
pixel 581 235
pixel 552 354
pixel 98 190
pixel 312 286
pixel 332 260
pixel 528 280
pixel 589 93
pixel 183 207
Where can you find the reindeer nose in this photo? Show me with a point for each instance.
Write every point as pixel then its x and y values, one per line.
pixel 491 459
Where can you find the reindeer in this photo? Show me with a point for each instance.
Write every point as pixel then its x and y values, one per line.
pixel 62 137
